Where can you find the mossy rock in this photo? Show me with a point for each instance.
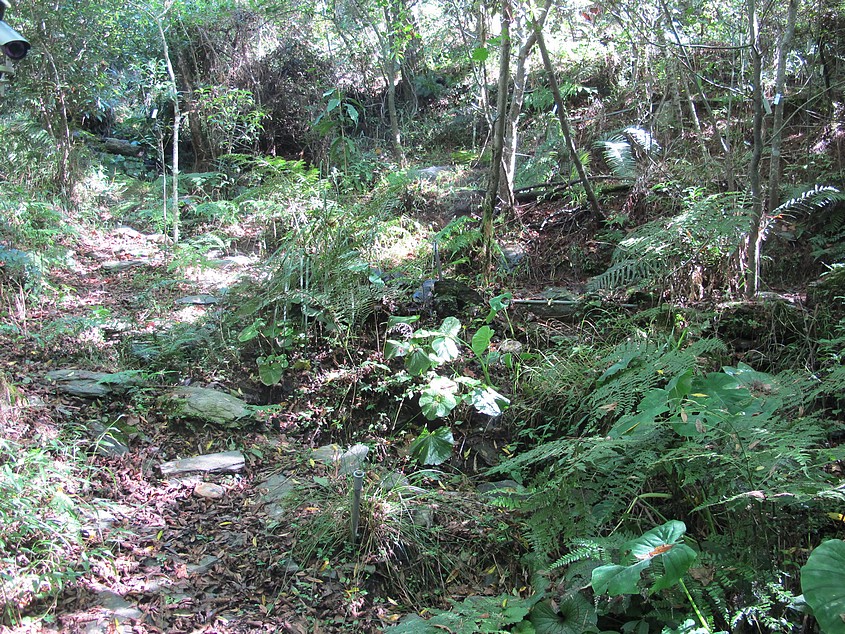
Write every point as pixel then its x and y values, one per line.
pixel 207 406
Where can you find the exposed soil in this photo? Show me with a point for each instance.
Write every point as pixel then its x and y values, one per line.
pixel 183 563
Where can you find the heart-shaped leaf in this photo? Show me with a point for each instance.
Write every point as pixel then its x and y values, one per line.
pixel 575 615
pixel 271 368
pixel 481 340
pixel 445 349
pixel 417 361
pixel 439 398
pixel 433 448
pixel 823 584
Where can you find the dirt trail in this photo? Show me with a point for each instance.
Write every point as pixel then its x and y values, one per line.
pixel 181 562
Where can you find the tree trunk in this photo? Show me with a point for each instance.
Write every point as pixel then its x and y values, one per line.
pixel 391 20
pixel 777 120
pixel 752 273
pixel 565 128
pixel 177 119
pixel 506 185
pixel 491 197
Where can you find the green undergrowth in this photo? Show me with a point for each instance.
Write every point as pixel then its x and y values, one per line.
pixel 49 539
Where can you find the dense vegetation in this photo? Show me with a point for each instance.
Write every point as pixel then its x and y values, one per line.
pixel 573 273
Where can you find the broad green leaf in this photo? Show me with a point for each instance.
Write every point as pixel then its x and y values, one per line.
pixel 619 366
pixel 417 361
pixel 271 368
pixel 644 547
pixel 480 54
pixel 575 615
pixel 501 302
pixel 439 398
pixel 433 448
pixel 616 580
pixel 487 401
pixel 451 327
pixel 481 340
pixel 663 541
pixel 823 584
pixel 679 387
pixel 394 319
pixel 393 348
pixel 445 349
pixel 333 103
pixel 251 331
pixel 676 561
pixel 352 112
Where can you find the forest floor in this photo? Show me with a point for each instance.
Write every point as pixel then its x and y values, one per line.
pixel 178 560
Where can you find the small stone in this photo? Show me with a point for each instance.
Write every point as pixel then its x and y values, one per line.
pixel 209 490
pixel 510 346
pixel 279 488
pixel 203 566
pixel 354 459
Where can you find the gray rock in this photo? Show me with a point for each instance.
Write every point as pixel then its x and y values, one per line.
pixel 122 265
pixel 231 262
pixel 116 613
pixel 327 454
pixel 430 173
pixel 92 384
pixel 209 490
pixel 206 405
pixel 353 459
pixel 203 566
pixel 225 461
pixel 127 232
pixel 109 440
pixel 198 300
pixel 393 480
pixel 507 489
pixel 279 489
pixel 423 516
pixel 349 461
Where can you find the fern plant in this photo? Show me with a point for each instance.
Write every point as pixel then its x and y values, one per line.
pixel 625 150
pixel 683 256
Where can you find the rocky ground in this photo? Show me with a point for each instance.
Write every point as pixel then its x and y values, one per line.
pixel 219 526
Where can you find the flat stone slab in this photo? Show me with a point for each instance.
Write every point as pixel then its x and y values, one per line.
pixel 198 300
pixel 91 384
pixel 123 265
pixel 225 461
pixel 233 261
pixel 279 488
pixel 206 405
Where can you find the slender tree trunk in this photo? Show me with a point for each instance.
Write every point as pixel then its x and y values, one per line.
pixel 777 120
pixel 62 135
pixel 177 120
pixel 517 99
pixel 491 198
pixel 752 273
pixel 565 128
pixel 390 55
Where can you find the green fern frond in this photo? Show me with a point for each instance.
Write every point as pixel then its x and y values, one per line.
pixel 618 155
pixel 580 549
pixel 814 199
pixel 622 149
pixel 682 252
